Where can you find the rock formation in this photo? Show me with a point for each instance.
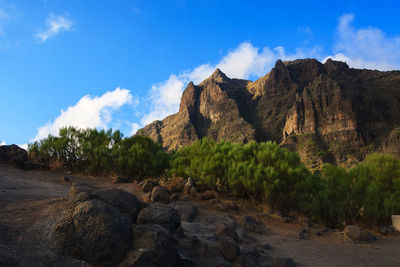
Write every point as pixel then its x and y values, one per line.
pixel 327 112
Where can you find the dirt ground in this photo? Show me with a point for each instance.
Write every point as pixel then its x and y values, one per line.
pixel 25 195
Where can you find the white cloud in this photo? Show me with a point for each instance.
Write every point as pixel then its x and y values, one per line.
pixel 365 48
pixel 242 62
pixel 89 112
pixel 135 128
pixel 23 146
pixel 2 143
pixel 55 24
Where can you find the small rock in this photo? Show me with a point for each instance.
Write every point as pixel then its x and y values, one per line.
pixel 386 230
pixel 301 234
pixel 147 185
pixel 353 232
pixel 251 224
pixel 175 196
pixel 208 195
pixel 265 246
pixel 189 188
pixel 369 237
pixel 228 248
pixel 224 231
pixel 160 194
pixel 222 207
pixel 282 262
pixel 66 180
pixel 120 179
pixel 161 214
pixel 249 257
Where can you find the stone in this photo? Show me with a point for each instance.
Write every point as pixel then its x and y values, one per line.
pixel 282 262
pixel 187 211
pixel 152 245
pixel 160 194
pixel 147 185
pixel 302 233
pixel 189 188
pixel 353 232
pixel 160 214
pixel 65 180
pixel 117 179
pixel 228 248
pixel 208 195
pixel 222 231
pixel 386 230
pixel 125 202
pixel 80 192
pixel 251 224
pixel 95 232
pixel 249 257
pixel 14 155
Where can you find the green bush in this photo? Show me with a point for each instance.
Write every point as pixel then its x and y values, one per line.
pixel 368 193
pixel 101 152
pixel 255 171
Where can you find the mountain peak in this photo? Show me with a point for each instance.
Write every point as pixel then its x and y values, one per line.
pixel 219 76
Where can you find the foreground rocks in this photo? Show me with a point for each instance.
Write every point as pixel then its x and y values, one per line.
pixel 112 227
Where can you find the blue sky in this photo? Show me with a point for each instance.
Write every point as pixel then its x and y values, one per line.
pixel 122 64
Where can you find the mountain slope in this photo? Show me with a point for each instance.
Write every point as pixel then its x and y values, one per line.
pixel 327 112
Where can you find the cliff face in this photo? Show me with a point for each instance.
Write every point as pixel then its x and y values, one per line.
pixel 327 112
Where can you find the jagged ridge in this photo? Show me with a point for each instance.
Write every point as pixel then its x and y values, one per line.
pixel 327 112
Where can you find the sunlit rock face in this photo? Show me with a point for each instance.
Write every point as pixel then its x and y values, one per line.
pixel 327 112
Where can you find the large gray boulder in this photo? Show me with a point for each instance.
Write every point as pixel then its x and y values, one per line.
pixel 187 211
pixel 95 232
pixel 160 214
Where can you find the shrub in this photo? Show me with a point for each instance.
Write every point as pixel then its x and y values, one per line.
pixel 368 193
pixel 255 171
pixel 101 152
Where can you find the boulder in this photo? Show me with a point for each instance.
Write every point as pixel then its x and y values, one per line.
pixel 251 224
pixel 186 210
pixel 125 202
pixel 353 232
pixel 249 257
pixel 95 232
pixel 160 194
pixel 147 185
pixel 80 192
pixel 14 155
pixel 228 248
pixel 152 245
pixel 160 214
pixel 223 231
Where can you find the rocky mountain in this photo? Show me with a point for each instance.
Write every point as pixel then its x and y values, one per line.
pixel 327 112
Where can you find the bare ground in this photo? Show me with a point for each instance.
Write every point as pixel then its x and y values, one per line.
pixel 25 197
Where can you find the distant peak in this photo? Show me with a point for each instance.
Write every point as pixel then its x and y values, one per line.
pixel 219 76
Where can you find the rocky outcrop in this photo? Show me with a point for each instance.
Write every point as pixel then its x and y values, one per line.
pixel 16 156
pixel 327 112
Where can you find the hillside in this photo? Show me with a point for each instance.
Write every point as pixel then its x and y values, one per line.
pixel 326 112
